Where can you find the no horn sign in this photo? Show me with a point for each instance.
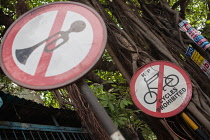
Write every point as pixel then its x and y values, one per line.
pixel 53 45
pixel 161 89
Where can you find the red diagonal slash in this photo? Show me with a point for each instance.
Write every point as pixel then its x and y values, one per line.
pixel 160 86
pixel 46 56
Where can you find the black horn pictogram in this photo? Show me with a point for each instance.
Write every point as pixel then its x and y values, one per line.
pixel 22 55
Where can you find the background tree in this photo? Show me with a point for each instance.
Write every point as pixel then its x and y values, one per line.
pixel 139 31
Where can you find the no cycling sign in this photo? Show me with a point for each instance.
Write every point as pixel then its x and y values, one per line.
pixel 161 89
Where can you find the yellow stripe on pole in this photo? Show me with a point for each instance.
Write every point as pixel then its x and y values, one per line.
pixel 189 121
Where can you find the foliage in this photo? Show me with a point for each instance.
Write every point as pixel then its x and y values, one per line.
pixel 117 103
pixel 8 86
pixel 196 12
pixel 8 7
pixel 115 99
pixel 35 3
pixel 49 99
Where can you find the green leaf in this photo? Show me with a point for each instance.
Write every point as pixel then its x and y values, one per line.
pixel 115 123
pixel 123 118
pixel 122 104
pixel 208 22
pixel 104 103
pixel 104 98
pixel 121 122
pixel 111 106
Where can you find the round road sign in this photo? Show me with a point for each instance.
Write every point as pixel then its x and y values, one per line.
pixel 53 45
pixel 161 89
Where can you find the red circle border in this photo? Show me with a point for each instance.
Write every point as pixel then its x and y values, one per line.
pixel 33 82
pixel 157 114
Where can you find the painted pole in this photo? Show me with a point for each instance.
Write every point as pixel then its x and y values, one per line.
pixel 194 126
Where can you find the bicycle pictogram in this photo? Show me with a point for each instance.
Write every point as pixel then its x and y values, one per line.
pixel 151 96
pixel 161 89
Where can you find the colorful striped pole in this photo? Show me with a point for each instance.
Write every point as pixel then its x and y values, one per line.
pixel 194 126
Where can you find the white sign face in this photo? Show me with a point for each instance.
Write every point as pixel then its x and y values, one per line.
pixel 161 89
pixel 53 45
pixel 71 50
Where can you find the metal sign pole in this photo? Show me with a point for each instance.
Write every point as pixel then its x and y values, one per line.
pixel 99 111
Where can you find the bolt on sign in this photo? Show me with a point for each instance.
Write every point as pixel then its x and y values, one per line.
pixel 53 45
pixel 161 89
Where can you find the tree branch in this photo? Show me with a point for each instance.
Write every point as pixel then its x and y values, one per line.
pixel 21 7
pixel 106 66
pixel 146 32
pixel 119 65
pixel 6 20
